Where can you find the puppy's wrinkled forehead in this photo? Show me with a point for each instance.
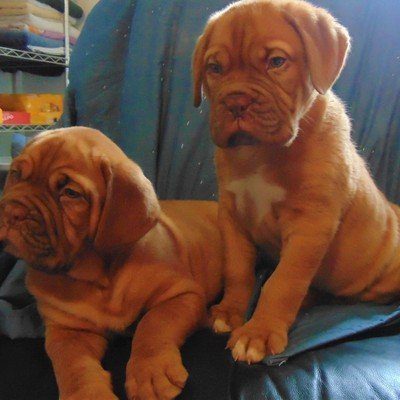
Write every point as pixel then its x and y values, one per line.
pixel 47 154
pixel 243 28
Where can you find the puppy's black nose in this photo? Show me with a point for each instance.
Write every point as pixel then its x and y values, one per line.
pixel 238 103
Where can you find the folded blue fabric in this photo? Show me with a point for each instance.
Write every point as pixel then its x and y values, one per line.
pixel 22 39
pixel 327 324
pixel 18 313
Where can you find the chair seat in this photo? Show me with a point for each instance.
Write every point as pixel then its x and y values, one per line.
pixel 357 370
pixel 27 372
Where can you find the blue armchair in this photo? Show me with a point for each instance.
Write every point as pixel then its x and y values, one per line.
pixel 130 77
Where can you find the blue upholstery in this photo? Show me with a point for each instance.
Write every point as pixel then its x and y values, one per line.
pixel 356 370
pixel 130 78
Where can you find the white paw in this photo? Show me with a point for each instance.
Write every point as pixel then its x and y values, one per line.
pixel 220 326
pixel 251 354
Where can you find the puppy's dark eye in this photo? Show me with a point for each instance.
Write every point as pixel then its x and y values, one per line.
pixel 72 194
pixel 214 68
pixel 276 62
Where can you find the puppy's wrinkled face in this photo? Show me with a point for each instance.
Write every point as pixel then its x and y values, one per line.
pixel 254 76
pixel 49 206
pixel 254 63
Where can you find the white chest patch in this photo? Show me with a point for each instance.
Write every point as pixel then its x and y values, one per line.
pixel 261 193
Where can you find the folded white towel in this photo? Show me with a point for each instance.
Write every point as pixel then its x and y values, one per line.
pixel 54 51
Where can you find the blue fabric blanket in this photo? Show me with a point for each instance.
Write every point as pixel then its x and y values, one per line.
pixel 131 79
pixel 18 313
pixel 324 325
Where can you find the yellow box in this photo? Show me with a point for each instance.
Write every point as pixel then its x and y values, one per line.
pixel 45 118
pixel 45 109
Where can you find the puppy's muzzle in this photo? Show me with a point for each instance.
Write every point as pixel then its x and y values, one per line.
pixel 237 103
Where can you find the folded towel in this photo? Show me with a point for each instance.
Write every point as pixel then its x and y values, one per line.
pixel 74 10
pixel 57 36
pixel 25 40
pixel 54 51
pixel 23 7
pixel 38 22
pixel 20 26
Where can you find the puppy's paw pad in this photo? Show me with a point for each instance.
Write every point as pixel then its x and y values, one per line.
pixel 164 388
pixel 255 355
pixel 220 326
pixel 224 318
pixel 239 350
pixel 155 378
pixel 252 345
pixel 131 387
pixel 250 350
pixel 177 374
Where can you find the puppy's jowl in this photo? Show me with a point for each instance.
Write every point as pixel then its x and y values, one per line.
pixel 290 179
pixel 102 251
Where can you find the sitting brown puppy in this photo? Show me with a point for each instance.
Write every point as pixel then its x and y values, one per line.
pixel 102 252
pixel 290 178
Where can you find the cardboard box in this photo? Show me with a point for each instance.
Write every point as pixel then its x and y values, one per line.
pixel 45 118
pixel 45 109
pixel 16 118
pixel 31 102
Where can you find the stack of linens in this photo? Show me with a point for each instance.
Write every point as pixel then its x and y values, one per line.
pixel 37 25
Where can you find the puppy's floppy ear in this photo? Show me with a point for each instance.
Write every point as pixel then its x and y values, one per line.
pixel 326 42
pixel 198 69
pixel 130 208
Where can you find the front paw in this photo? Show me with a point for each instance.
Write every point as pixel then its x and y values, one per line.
pixel 159 377
pixel 255 340
pixel 225 317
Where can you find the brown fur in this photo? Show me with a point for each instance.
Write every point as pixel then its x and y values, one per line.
pixel 290 178
pixel 100 260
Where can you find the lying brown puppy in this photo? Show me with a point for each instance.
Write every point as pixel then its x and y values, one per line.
pixel 290 178
pixel 102 252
